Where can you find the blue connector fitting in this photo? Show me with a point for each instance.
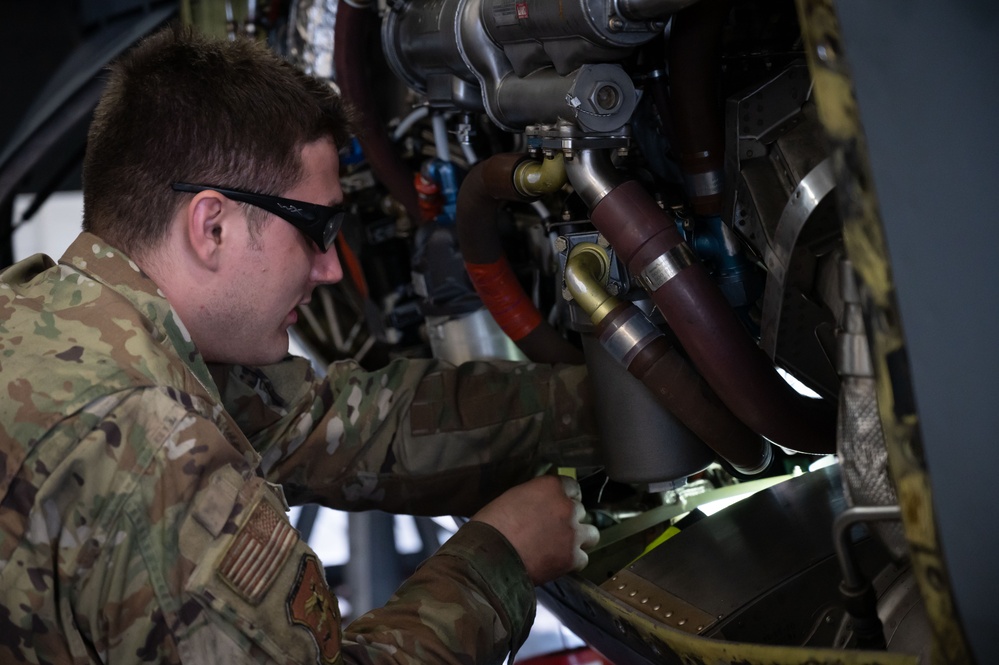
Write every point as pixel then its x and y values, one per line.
pixel 448 178
pixel 739 278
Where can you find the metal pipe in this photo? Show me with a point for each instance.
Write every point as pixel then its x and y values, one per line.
pixel 852 576
pixel 441 147
pixel 642 349
pixel 856 590
pixel 646 238
pixel 593 175
pixel 533 178
pixel 586 271
pixel 406 124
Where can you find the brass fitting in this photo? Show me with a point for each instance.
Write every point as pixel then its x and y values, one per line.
pixel 536 178
pixel 587 270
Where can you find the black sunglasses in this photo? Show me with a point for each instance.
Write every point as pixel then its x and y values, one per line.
pixel 318 223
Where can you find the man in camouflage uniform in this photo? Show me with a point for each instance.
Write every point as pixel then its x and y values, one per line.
pixel 150 419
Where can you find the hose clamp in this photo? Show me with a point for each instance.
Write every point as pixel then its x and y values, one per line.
pixel 628 336
pixel 666 266
pixel 708 183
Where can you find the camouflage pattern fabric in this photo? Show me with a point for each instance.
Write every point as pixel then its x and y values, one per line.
pixel 142 516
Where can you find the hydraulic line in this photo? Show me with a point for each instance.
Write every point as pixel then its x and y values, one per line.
pixel 485 188
pixel 356 24
pixel 642 348
pixel 645 237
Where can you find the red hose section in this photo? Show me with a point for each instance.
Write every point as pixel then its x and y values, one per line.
pixel 353 265
pixel 487 185
pixel 504 298
pixel 354 31
pixel 736 369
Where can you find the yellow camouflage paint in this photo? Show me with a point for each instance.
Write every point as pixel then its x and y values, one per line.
pixel 865 244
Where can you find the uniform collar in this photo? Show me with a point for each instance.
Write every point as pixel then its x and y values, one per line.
pixel 112 268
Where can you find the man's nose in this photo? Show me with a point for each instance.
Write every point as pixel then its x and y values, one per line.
pixel 326 268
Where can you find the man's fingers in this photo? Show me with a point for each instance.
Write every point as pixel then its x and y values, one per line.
pixel 579 560
pixel 588 536
pixel 571 488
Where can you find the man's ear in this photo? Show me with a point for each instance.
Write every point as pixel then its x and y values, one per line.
pixel 207 217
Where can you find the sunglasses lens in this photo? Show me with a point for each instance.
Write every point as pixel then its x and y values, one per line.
pixel 332 226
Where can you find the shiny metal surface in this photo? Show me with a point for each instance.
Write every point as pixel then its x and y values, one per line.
pixel 665 267
pixel 763 571
pixel 587 269
pixel 854 354
pixel 475 336
pixel 446 51
pixel 641 442
pixel 791 523
pixel 860 437
pixel 707 183
pixel 566 34
pixel 592 174
pixel 629 336
pixel 802 255
pixel 805 198
pixel 852 574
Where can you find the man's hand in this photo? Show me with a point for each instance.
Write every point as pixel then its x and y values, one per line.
pixel 542 520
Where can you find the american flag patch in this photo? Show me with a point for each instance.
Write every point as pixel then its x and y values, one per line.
pixel 255 557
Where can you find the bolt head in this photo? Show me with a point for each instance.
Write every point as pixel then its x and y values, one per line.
pixel 606 97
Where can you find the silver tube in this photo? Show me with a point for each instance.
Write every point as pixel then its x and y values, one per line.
pixel 469 153
pixel 592 175
pixel 440 137
pixel 841 530
pixel 417 114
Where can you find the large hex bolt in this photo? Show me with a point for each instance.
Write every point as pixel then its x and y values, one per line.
pixel 606 96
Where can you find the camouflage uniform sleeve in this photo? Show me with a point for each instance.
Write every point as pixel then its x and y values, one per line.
pixel 419 436
pixel 473 595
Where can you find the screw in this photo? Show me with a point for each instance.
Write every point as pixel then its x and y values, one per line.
pixel 615 24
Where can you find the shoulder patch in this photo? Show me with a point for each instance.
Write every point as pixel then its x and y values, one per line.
pixel 311 604
pixel 258 553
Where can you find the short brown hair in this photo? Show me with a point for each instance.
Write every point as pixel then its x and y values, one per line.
pixel 183 107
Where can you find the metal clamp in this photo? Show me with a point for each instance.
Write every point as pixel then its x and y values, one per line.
pixel 628 337
pixel 666 266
